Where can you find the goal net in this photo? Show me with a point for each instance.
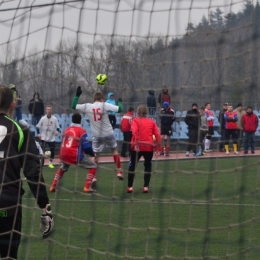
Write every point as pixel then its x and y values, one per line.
pixel 197 207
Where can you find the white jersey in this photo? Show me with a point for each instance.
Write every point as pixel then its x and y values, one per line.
pixel 98 117
pixel 49 126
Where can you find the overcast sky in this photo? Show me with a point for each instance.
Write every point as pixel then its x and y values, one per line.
pixel 44 27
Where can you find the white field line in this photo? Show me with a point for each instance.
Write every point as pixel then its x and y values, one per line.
pixel 154 202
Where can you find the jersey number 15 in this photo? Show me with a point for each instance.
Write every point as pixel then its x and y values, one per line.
pixel 96 113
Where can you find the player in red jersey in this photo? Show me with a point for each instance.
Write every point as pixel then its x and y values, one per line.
pixel 143 145
pixel 210 119
pixel 74 144
pixel 231 118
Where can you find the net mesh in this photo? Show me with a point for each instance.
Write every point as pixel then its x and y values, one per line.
pixel 202 51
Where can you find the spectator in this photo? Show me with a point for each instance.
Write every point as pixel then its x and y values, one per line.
pixel 210 119
pixel 167 119
pixel 151 103
pixel 221 120
pixel 14 92
pixel 240 112
pixel 164 97
pixel 111 114
pixel 249 124
pixel 192 119
pixel 50 129
pixel 231 118
pixel 127 131
pixel 13 88
pixel 18 152
pixel 203 127
pixel 18 108
pixel 142 144
pixel 36 108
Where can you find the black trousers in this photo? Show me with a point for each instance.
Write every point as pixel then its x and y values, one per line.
pixel 51 146
pixel 234 135
pixel 134 158
pixel 240 134
pixel 202 135
pixel 193 140
pixel 126 144
pixel 112 119
pixel 9 242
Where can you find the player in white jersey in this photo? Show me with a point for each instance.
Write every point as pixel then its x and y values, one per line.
pixel 102 131
pixel 50 128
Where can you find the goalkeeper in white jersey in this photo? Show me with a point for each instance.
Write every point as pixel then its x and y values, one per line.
pixel 102 131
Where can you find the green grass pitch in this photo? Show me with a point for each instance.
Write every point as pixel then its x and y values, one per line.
pixel 195 209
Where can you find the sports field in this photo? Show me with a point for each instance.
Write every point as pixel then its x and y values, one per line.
pixel 195 209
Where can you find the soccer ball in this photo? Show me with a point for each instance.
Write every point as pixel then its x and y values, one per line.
pixel 47 153
pixel 101 79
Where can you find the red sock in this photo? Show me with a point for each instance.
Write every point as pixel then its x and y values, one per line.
pixel 58 175
pixel 162 149
pixel 167 149
pixel 90 176
pixel 117 161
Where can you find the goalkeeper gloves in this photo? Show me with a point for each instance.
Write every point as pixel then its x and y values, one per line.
pixel 120 100
pixel 47 222
pixel 79 91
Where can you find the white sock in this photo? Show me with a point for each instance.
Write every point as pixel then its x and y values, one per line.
pixel 207 144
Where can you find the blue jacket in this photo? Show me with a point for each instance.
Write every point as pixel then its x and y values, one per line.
pixel 111 101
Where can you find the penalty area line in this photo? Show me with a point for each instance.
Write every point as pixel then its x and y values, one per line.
pixel 155 202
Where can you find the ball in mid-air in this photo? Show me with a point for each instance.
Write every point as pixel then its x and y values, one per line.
pixel 48 153
pixel 101 79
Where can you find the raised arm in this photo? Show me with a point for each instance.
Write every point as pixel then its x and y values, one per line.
pixel 76 98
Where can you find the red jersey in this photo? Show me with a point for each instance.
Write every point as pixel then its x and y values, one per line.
pixel 126 122
pixel 73 143
pixel 231 124
pixel 143 130
pixel 210 117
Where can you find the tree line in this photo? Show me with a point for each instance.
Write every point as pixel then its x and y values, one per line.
pixel 216 61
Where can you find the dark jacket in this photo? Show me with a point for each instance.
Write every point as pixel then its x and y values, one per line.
pixel 192 119
pixel 151 101
pixel 164 97
pixel 167 116
pixel 19 102
pixel 36 107
pixel 19 152
pixel 221 119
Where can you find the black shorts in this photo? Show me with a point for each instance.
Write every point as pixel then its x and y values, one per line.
pixel 210 131
pixel 166 130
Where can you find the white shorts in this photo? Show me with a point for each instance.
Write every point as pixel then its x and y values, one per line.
pixel 99 143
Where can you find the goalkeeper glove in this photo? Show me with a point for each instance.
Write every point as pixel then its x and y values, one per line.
pixel 79 91
pixel 47 222
pixel 120 100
